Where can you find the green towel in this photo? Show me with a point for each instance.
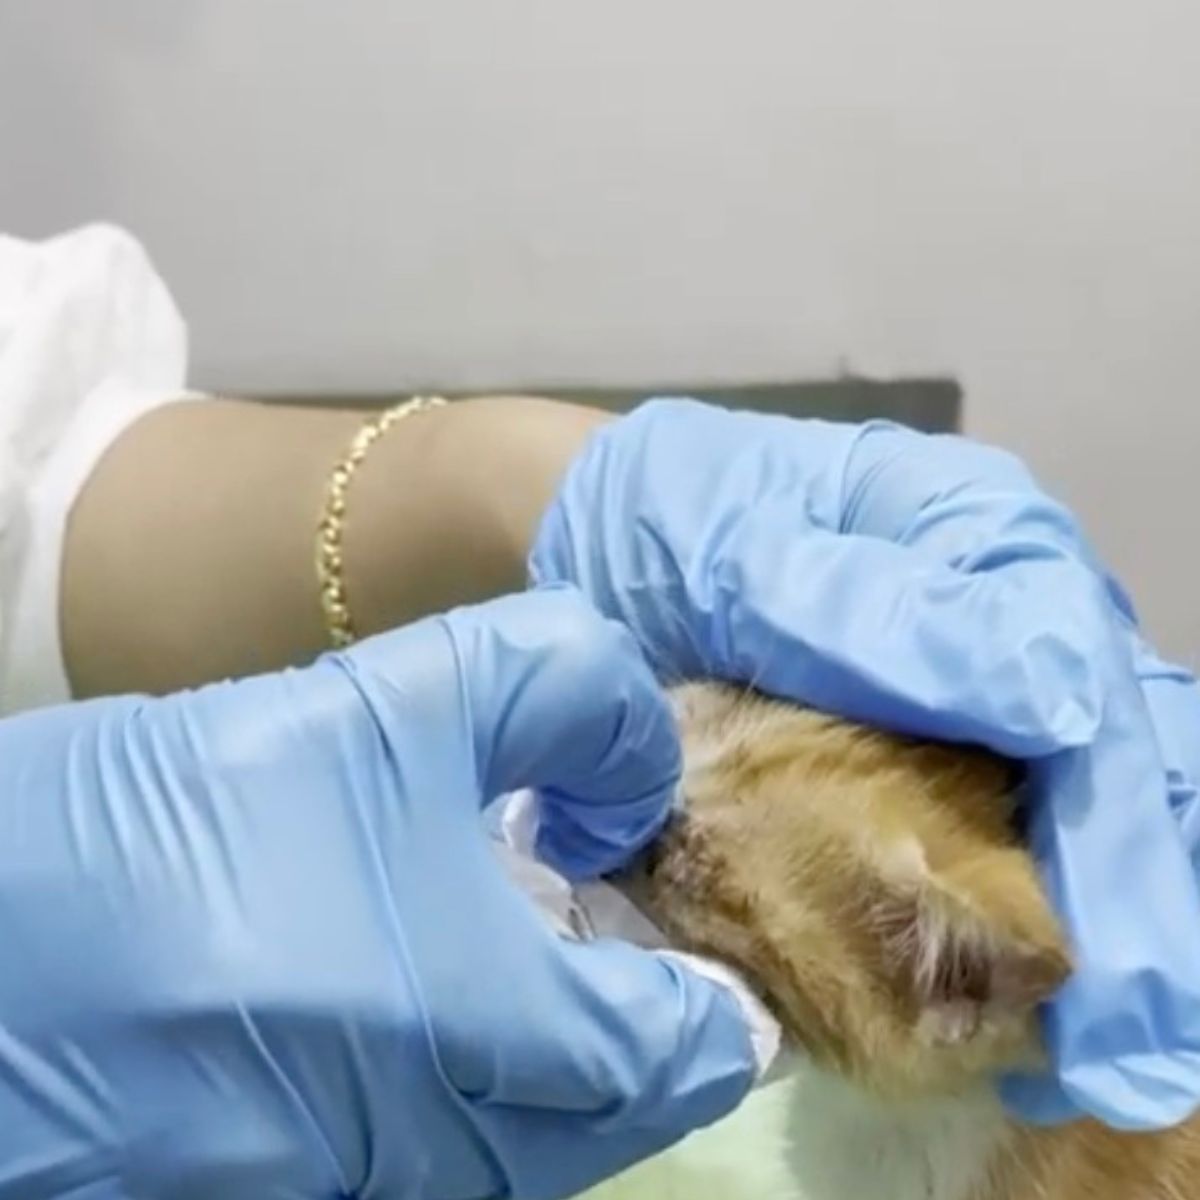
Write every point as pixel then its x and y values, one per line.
pixel 740 1158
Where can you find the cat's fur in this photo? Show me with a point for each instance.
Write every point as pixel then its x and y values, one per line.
pixel 874 892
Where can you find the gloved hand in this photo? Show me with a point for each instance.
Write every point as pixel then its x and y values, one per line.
pixel 927 585
pixel 253 942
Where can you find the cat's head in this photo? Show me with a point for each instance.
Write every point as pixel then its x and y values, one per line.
pixel 871 888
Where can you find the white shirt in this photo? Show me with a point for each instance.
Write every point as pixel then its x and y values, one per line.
pixel 90 340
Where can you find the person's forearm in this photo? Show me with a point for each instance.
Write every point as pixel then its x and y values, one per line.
pixel 189 555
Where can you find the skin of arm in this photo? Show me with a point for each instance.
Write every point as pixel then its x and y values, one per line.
pixel 189 554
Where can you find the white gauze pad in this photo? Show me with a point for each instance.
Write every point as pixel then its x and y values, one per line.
pixel 598 910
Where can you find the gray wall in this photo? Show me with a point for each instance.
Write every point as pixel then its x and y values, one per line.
pixel 387 192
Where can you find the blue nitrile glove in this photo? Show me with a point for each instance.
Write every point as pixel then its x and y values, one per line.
pixel 253 942
pixel 926 584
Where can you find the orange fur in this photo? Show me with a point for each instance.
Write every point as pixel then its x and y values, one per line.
pixel 873 890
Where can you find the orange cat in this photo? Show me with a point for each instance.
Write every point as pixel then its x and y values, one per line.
pixel 872 889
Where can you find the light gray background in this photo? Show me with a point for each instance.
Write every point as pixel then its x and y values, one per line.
pixel 386 192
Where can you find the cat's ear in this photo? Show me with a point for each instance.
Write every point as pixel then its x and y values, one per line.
pixel 958 952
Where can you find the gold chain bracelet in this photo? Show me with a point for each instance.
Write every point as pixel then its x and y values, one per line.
pixel 330 530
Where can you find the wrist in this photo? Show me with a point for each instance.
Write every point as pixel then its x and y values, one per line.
pixel 445 508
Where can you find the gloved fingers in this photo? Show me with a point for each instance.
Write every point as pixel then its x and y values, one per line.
pixel 961 503
pixel 922 583
pixel 627 1054
pixel 1124 1033
pixel 535 690
pixel 562 700
pixel 880 633
pixel 1173 699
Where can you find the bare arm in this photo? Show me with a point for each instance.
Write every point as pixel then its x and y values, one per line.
pixel 189 554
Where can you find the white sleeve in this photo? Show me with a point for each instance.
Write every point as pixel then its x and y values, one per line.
pixel 90 340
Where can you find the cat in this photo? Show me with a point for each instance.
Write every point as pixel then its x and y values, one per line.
pixel 874 891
